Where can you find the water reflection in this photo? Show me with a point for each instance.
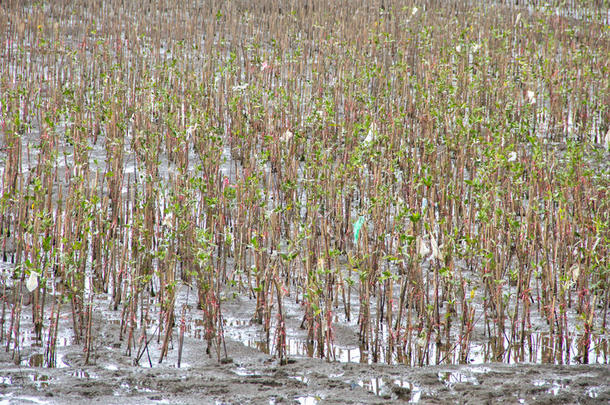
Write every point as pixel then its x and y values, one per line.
pixel 450 378
pixel 535 347
pixel 36 360
pixel 395 388
pixel 40 380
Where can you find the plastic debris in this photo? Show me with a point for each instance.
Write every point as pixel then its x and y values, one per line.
pixel 32 282
pixel 357 227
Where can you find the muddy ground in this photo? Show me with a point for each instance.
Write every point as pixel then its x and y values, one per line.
pixel 252 376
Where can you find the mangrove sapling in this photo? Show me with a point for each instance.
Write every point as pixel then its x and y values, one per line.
pixel 273 139
pixel 181 335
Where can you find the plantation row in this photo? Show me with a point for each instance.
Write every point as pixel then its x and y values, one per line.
pixel 425 168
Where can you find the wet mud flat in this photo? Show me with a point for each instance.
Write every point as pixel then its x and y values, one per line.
pixel 263 202
pixel 253 377
pixel 249 375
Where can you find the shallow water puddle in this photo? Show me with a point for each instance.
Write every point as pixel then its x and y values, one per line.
pixel 244 372
pixel 410 388
pixel 386 387
pixel 450 378
pixel 10 399
pixel 40 380
pixel 555 387
pixel 251 335
pixel 373 385
pixel 541 347
pixel 83 374
pixel 301 348
pixel 592 392
pixel 65 337
pixel 38 360
pixel 134 388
